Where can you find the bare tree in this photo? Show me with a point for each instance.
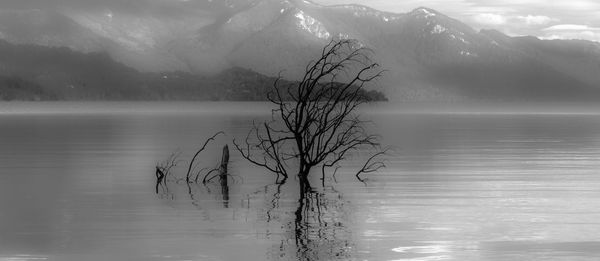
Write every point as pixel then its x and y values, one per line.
pixel 314 122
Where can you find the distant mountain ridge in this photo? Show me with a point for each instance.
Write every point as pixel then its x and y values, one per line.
pixel 427 55
pixel 31 72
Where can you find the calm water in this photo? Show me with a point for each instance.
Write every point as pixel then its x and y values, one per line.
pixel 77 183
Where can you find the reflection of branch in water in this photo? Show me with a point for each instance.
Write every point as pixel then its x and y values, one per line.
pixel 317 231
pixel 192 195
pixel 194 190
pixel 274 201
pixel 224 192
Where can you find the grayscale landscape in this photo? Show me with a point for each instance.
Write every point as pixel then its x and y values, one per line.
pixel 299 130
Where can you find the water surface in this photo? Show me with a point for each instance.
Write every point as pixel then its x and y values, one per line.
pixel 77 183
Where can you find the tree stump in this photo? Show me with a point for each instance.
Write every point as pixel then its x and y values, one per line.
pixel 223 176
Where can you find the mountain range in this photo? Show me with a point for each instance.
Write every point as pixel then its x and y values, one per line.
pixel 33 72
pixel 426 54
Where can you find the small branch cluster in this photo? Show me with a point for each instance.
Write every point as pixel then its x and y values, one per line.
pixel 163 168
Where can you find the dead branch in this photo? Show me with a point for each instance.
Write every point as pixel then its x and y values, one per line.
pixel 187 175
pixel 372 166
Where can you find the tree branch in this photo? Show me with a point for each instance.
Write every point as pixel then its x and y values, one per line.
pixel 187 175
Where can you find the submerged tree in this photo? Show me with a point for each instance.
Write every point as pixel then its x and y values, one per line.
pixel 314 122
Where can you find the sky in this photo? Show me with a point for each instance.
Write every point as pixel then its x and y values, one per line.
pixel 547 19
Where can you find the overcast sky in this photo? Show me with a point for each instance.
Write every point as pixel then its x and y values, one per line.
pixel 566 19
pixel 579 19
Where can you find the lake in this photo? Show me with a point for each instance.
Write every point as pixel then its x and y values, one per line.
pixel 77 182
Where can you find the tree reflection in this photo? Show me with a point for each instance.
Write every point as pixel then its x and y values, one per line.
pixel 318 227
pixel 314 222
pixel 224 190
pixel 194 190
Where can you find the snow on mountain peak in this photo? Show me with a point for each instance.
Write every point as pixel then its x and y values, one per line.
pixel 424 12
pixel 438 29
pixel 311 25
pixel 450 33
pixel 468 54
pixel 364 11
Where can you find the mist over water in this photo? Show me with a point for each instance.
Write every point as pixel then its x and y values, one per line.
pixel 463 183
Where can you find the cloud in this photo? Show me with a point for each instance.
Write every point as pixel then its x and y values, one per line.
pixel 572 31
pixel 568 27
pixel 577 5
pixel 533 20
pixel 583 35
pixel 489 19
